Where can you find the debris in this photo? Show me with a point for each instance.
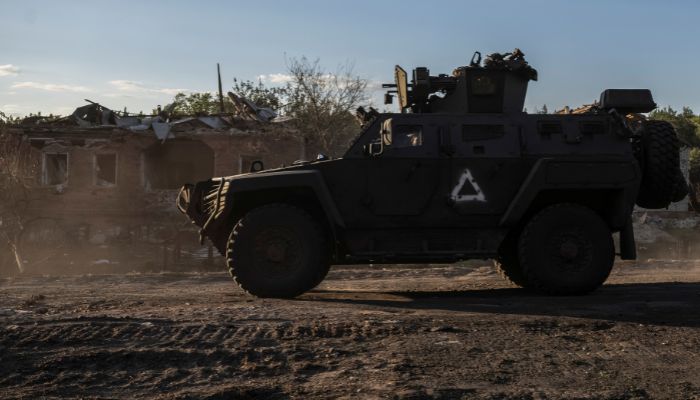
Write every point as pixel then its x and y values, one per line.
pixel 93 114
pixel 444 328
pixel 162 131
pixel 249 110
pixel 6 312
pixel 35 299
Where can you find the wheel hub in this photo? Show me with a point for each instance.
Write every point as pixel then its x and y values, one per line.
pixel 276 251
pixel 569 250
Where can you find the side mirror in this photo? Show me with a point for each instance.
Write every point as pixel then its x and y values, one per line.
pixel 256 166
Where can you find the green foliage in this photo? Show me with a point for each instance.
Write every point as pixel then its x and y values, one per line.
pixel 208 103
pixel 321 104
pixel 685 122
pixel 695 159
pixel 261 95
pixel 7 119
pixel 195 104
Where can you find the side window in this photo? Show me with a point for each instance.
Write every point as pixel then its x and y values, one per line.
pixel 55 169
pixel 406 136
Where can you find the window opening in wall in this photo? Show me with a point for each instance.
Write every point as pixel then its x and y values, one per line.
pixel 105 169
pixel 55 171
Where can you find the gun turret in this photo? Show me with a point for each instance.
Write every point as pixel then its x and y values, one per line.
pixel 497 86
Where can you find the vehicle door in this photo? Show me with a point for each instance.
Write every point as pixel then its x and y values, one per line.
pixel 403 177
pixel 486 166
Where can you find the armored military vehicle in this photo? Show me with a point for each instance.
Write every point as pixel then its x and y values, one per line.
pixel 460 173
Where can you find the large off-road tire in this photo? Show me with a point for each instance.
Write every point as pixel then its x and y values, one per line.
pixel 507 263
pixel 660 165
pixel 277 250
pixel 566 249
pixel 322 275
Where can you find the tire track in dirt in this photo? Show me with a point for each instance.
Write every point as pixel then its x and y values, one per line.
pixel 150 354
pixel 405 333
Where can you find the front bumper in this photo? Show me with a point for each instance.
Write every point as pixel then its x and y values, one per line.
pixel 203 202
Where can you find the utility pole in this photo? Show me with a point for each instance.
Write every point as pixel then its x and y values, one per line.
pixel 221 93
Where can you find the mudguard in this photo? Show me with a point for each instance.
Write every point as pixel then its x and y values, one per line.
pixel 590 174
pixel 288 179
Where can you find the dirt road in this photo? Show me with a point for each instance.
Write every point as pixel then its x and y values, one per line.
pixel 400 332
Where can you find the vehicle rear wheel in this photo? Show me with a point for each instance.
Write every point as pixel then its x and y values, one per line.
pixel 661 166
pixel 507 263
pixel 277 251
pixel 566 249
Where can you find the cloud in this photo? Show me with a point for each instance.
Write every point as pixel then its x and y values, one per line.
pixel 51 87
pixel 10 108
pixel 375 85
pixel 276 78
pixel 126 86
pixel 9 70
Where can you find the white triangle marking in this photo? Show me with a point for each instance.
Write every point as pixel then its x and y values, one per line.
pixel 460 198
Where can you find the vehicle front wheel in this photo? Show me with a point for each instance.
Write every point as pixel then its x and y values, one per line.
pixel 566 249
pixel 277 250
pixel 507 263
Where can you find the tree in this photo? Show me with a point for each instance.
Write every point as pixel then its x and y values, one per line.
pixel 685 122
pixel 206 103
pixel 261 95
pixel 322 103
pixel 16 170
pixel 195 104
pixel 7 119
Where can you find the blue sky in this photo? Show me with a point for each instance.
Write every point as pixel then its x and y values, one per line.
pixel 139 53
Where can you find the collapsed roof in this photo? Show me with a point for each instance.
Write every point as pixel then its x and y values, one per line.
pixel 164 125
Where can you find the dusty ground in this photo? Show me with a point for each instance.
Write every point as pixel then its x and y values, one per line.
pixel 400 332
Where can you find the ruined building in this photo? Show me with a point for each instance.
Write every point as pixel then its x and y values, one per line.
pixel 102 194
